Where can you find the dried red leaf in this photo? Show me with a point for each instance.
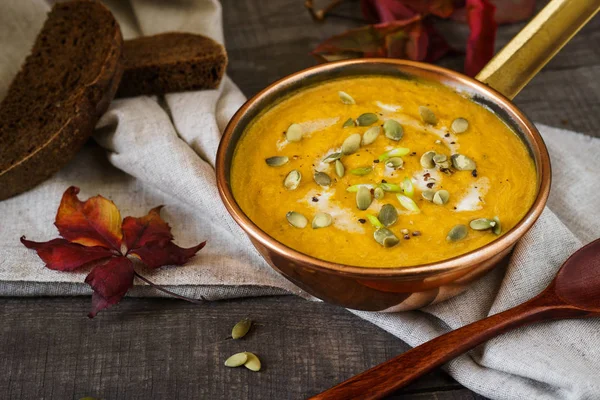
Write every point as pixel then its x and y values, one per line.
pixel 399 39
pixel 392 10
pixel 149 228
pixel 62 255
pixel 93 234
pixel 511 11
pixel 96 222
pixel 154 255
pixel 110 282
pixel 480 45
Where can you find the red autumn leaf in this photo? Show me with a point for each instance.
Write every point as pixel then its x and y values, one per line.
pixel 392 10
pixel 154 255
pixel 480 45
pixel 399 39
pixel 507 11
pixel 93 234
pixel 62 255
pixel 110 282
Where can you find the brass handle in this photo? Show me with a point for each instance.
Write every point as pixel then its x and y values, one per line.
pixel 518 62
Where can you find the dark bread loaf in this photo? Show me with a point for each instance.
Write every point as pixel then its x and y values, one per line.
pixel 61 91
pixel 171 62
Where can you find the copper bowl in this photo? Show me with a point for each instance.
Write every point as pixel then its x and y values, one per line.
pixel 383 289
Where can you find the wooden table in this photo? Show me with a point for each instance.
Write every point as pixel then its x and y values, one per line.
pixel 169 349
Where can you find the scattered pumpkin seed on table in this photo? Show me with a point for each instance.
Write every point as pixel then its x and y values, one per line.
pixel 241 328
pixel 388 215
pixel 346 98
pixel 370 135
pixel 459 125
pixel 441 197
pixel 393 130
pixel 322 178
pixel 363 198
pixel 321 220
pixel 292 180
pixel 339 168
pixel 427 115
pixel 294 133
pixel 366 119
pixel 351 144
pixel 458 232
pixel 361 171
pixel 276 161
pixel 385 237
pixel 296 219
pixel 236 360
pixel 253 362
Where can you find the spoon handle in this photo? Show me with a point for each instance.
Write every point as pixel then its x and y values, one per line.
pixel 395 373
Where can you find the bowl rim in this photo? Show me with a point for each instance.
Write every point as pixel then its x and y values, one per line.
pixel 476 256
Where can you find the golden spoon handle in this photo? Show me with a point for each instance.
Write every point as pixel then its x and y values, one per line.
pixel 518 62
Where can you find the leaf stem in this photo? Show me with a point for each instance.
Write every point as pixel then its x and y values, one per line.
pixel 162 289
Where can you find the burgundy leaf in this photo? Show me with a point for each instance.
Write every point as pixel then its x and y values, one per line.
pixel 480 45
pixel 62 255
pixel 137 232
pixel 110 282
pixel 154 255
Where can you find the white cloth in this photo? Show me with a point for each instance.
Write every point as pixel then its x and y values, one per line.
pixel 161 159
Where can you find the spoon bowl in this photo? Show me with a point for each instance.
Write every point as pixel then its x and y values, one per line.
pixel 574 293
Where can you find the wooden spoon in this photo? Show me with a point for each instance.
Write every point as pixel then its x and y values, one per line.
pixel 574 293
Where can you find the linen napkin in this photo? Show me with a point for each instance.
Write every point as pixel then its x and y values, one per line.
pixel 153 151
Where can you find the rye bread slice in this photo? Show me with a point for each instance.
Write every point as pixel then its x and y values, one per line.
pixel 62 89
pixel 171 62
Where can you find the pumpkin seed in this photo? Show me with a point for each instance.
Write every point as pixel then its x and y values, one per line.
pixel 407 187
pixel 440 158
pixel 349 123
pixel 253 363
pixel 482 224
pixel 276 161
pixel 351 144
pixel 463 163
pixel 346 98
pixel 292 180
pixel 296 219
pixel 428 194
pixel 294 133
pixel 321 220
pixel 322 178
pixel 241 328
pixel 458 232
pixel 459 125
pixel 498 227
pixel 374 221
pixel 385 237
pixel 388 215
pixel 363 198
pixel 362 171
pixel 393 130
pixel 397 152
pixel 427 160
pixel 408 203
pixel 441 197
pixel 366 119
pixel 332 157
pixel 236 360
pixel 378 193
pixel 339 168
pixel 394 162
pixel 390 187
pixel 354 188
pixel 427 115
pixel 370 135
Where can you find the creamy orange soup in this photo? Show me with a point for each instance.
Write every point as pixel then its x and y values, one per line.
pixel 382 172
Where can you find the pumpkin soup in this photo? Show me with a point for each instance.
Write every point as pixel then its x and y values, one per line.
pixel 382 172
